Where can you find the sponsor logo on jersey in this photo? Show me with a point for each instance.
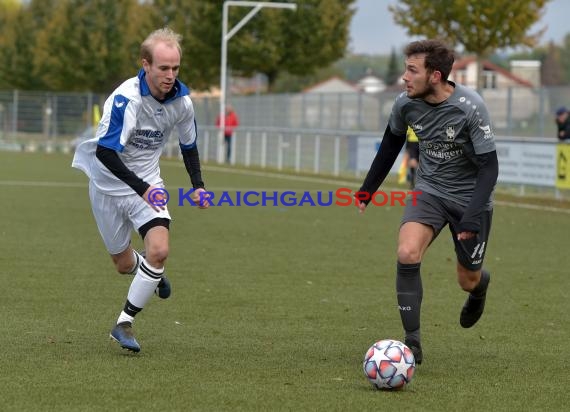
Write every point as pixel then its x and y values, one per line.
pixel 147 139
pixel 152 134
pixel 441 150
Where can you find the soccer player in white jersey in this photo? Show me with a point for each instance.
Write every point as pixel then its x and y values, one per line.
pixel 122 163
pixel 457 173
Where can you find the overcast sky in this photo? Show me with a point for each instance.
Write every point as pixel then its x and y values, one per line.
pixel 373 30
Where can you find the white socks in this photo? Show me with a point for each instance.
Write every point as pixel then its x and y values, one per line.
pixel 142 288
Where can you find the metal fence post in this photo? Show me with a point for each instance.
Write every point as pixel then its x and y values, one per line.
pixel 89 118
pixel 359 111
pixel 15 113
pixel 339 112
pixel 280 152
pixel 298 153
pixel 263 149
pixel 248 149
pixel 510 111
pixel 336 169
pixel 541 105
pixel 233 146
pixel 321 98
pixel 317 158
pixel 206 144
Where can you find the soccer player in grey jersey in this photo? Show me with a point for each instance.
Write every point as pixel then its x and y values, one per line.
pixel 457 173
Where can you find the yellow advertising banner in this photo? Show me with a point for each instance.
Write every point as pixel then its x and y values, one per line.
pixel 563 166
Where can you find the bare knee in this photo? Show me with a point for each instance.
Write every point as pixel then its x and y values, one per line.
pixel 156 255
pixel 407 254
pixel 413 240
pixel 124 262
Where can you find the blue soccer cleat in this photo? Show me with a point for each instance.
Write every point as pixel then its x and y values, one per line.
pixel 123 334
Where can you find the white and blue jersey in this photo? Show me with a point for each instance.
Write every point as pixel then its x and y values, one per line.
pixel 137 127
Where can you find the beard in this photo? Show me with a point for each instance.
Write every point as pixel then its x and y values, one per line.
pixel 427 90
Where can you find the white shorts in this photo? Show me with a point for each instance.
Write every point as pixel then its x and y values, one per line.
pixel 118 216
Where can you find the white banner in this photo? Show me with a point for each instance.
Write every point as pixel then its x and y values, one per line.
pixel 527 163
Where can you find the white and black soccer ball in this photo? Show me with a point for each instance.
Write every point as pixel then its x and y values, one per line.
pixel 389 364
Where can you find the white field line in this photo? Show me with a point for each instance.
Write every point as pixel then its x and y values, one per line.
pixel 29 183
pixel 274 175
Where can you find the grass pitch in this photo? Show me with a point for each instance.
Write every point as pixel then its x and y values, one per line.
pixel 273 307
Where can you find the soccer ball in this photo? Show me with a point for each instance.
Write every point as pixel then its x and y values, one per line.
pixel 389 364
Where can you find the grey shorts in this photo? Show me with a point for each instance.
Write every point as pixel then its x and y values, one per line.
pixel 437 212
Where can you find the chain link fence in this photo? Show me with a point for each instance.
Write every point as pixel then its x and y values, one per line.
pixel 327 133
pixel 38 117
pixel 316 128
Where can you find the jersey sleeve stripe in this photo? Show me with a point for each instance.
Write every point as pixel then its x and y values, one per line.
pixel 112 138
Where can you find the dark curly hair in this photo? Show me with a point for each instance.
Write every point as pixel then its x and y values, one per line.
pixel 437 55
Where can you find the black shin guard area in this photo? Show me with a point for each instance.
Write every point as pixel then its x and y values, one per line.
pixel 410 293
pixel 131 309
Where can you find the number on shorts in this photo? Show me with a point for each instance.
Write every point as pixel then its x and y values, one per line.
pixel 479 249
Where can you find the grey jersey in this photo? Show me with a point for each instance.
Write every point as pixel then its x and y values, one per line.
pixel 450 135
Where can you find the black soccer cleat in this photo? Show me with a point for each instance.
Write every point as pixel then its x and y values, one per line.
pixel 163 289
pixel 475 304
pixel 416 349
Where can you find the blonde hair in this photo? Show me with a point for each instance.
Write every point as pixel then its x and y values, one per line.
pixel 165 35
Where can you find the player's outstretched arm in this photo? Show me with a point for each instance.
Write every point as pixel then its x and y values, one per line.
pixel 383 161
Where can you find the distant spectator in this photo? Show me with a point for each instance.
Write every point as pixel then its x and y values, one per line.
pixel 563 123
pixel 230 123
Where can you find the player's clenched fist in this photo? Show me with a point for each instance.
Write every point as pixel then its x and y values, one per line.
pixel 201 197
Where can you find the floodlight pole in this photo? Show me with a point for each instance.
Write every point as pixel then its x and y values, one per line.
pixel 257 5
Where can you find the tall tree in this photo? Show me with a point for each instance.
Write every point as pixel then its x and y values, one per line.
pixel 200 24
pixel 90 45
pixel 312 37
pixel 481 26
pixel 552 73
pixel 274 41
pixel 394 70
pixel 565 58
pixel 9 10
pixel 18 51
